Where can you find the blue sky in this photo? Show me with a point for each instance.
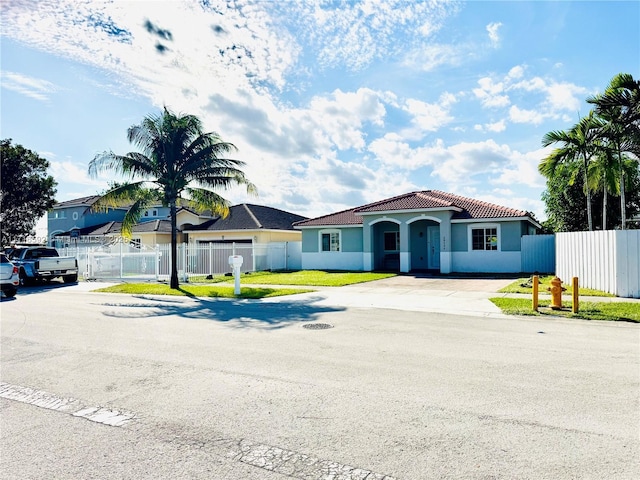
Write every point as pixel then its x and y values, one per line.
pixel 332 104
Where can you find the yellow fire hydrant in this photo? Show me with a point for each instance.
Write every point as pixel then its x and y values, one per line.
pixel 556 290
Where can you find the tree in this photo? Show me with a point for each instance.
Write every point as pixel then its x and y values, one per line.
pixel 564 200
pixel 176 158
pixel 27 192
pixel 578 145
pixel 619 106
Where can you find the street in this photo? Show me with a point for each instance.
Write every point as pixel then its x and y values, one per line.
pixel 114 386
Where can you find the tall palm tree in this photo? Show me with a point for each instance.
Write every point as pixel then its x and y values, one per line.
pixel 619 106
pixel 176 158
pixel 603 176
pixel 577 146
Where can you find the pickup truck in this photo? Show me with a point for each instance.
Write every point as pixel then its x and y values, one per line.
pixel 42 263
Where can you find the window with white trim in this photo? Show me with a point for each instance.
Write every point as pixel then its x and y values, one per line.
pixel 330 241
pixel 485 238
pixel 392 241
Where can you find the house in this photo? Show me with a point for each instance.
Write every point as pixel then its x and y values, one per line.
pixel 247 223
pixel 74 222
pixel 419 231
pixel 74 219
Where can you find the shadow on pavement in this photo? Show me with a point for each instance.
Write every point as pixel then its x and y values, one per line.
pixel 234 313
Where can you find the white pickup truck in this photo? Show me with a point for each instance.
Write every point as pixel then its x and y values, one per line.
pixel 42 263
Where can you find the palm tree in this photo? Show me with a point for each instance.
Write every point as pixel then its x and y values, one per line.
pixel 619 106
pixel 176 158
pixel 603 176
pixel 578 145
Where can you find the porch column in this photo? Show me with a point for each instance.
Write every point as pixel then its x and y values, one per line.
pixel 445 245
pixel 405 254
pixel 367 250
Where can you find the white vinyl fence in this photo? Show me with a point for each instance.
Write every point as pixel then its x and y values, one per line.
pixel 538 254
pixel 605 260
pixel 125 261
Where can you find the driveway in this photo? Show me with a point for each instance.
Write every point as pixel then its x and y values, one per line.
pixel 419 293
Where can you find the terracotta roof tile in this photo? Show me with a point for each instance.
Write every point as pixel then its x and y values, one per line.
pixel 346 217
pixel 463 208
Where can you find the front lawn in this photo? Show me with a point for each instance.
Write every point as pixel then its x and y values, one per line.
pixel 219 291
pixel 523 285
pixel 312 278
pixel 613 311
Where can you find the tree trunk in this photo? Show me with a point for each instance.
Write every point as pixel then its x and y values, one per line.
pixel 586 184
pixel 174 246
pixel 604 204
pixel 623 203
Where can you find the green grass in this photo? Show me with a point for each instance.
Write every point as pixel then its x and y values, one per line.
pixel 612 311
pixel 218 291
pixel 312 278
pixel 545 281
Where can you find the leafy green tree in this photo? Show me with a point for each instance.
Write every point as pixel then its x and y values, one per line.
pixel 27 192
pixel 578 146
pixel 177 161
pixel 564 200
pixel 619 107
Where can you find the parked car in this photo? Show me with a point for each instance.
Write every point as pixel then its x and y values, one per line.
pixel 9 278
pixel 43 263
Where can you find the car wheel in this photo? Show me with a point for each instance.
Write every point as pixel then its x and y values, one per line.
pixel 24 280
pixel 10 293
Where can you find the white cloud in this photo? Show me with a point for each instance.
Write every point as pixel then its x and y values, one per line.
pixel 35 88
pixel 492 29
pixel 430 117
pixel 491 93
pixel 520 115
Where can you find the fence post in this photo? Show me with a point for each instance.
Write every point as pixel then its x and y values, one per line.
pixel 121 260
pixel 574 286
pixel 210 244
pixel 535 293
pixel 157 262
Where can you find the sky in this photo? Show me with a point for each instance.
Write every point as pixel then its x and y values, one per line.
pixel 331 104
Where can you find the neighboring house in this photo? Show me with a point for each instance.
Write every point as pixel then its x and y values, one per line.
pixel 73 222
pixel 247 223
pixel 419 231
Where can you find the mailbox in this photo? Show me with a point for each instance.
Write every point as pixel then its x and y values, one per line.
pixel 235 261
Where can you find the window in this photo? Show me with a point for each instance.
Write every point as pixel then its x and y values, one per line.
pixel 484 238
pixel 330 241
pixel 75 215
pixel 391 241
pixel 135 242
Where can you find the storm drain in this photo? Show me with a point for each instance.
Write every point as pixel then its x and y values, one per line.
pixel 317 326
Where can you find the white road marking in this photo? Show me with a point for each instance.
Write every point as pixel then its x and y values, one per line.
pixel 71 406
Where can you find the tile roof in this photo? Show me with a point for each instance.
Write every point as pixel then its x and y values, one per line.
pixel 463 208
pixel 345 217
pixel 114 228
pixel 78 202
pixel 251 217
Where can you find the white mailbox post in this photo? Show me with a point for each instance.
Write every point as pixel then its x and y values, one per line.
pixel 235 262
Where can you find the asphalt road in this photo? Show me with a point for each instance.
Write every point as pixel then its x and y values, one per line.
pixel 112 386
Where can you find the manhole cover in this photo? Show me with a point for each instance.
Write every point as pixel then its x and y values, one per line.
pixel 317 326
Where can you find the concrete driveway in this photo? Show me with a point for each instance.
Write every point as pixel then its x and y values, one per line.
pixel 421 293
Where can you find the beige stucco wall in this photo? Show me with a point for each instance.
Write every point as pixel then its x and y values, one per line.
pixel 257 236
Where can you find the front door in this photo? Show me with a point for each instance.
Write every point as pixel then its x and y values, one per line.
pixel 433 248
